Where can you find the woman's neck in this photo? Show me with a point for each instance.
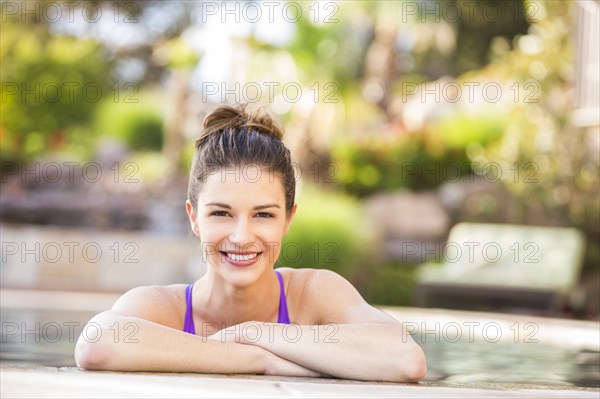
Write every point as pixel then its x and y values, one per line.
pixel 216 300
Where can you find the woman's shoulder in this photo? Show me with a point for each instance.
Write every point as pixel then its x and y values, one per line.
pixel 308 275
pixel 320 296
pixel 297 278
pixel 327 297
pixel 163 304
pixel 166 293
pixel 304 270
pixel 308 282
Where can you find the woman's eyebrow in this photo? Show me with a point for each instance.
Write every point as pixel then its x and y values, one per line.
pixel 222 205
pixel 266 206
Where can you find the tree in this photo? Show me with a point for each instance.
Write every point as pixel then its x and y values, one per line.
pixel 49 83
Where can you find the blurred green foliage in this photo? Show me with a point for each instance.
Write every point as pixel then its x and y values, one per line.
pixel 329 51
pixel 480 24
pixel 50 86
pixel 137 124
pixel 391 285
pixel 178 55
pixel 457 131
pixel 416 160
pixel 187 155
pixel 328 231
pixel 150 167
pixel 554 177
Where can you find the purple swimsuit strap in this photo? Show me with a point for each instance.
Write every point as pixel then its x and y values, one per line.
pixel 283 316
pixel 188 324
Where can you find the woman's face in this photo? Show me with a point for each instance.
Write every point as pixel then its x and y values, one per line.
pixel 240 220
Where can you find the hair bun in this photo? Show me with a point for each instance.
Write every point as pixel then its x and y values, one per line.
pixel 228 117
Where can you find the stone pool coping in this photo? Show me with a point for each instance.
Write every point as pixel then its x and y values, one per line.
pixel 567 333
pixel 71 382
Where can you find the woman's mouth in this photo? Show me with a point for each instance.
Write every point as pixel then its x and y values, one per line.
pixel 241 259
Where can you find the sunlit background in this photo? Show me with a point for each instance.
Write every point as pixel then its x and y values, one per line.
pixel 404 119
pixel 447 156
pixel 413 125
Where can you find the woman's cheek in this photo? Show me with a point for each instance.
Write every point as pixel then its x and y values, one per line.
pixel 209 249
pixel 213 233
pixel 273 250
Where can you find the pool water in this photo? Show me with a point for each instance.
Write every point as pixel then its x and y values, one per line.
pixel 48 338
pixel 41 337
pixel 515 363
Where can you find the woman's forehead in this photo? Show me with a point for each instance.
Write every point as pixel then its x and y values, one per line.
pixel 246 184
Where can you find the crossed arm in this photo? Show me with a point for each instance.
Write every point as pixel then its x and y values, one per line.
pixel 155 347
pixel 352 340
pixel 352 351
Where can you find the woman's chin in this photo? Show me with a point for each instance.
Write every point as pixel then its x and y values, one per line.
pixel 241 282
pixel 240 277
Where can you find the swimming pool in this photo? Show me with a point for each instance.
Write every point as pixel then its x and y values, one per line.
pixel 479 357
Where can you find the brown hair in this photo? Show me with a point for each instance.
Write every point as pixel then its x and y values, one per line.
pixel 232 137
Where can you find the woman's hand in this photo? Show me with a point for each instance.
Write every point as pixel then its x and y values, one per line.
pixel 246 333
pixel 229 334
pixel 275 365
pixel 249 332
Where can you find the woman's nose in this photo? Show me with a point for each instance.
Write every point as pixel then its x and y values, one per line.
pixel 242 234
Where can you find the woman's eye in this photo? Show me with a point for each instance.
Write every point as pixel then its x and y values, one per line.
pixel 218 213
pixel 264 215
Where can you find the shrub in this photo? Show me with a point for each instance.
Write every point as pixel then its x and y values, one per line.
pixel 139 125
pixel 391 285
pixel 327 232
pixel 417 160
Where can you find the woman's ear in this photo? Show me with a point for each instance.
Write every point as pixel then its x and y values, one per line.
pixel 192 217
pixel 288 219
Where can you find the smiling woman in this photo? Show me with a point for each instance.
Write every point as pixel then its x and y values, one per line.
pixel 243 316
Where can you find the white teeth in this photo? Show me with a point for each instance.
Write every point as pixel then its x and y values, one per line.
pixel 239 257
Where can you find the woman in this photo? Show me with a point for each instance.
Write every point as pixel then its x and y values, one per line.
pixel 235 319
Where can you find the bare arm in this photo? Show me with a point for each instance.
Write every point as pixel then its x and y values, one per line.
pixel 153 347
pixel 132 337
pixel 360 342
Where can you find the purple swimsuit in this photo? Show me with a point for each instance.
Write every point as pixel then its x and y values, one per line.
pixel 188 325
